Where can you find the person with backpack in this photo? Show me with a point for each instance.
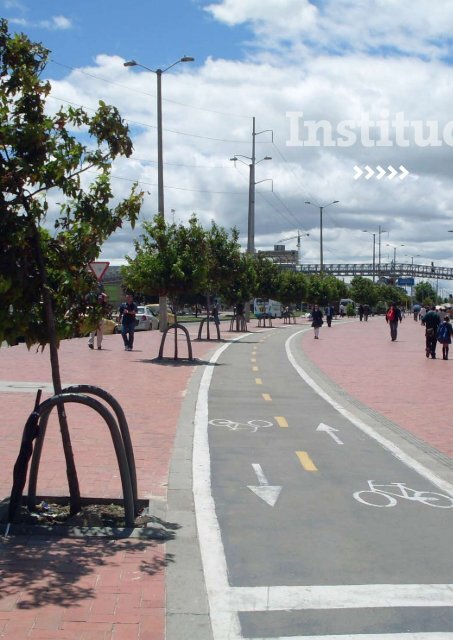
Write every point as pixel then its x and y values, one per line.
pixel 444 333
pixel 392 317
pixel 431 322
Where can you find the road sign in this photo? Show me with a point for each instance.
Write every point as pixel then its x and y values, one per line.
pixel 98 269
pixel 405 282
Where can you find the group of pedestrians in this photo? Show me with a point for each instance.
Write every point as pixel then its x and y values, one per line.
pixel 437 330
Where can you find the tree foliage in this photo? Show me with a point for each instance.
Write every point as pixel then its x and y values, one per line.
pixel 293 287
pixel 178 260
pixel 45 247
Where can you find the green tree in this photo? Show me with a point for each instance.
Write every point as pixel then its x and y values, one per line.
pixel 424 293
pixel 45 250
pixel 325 288
pixel 169 260
pixel 293 287
pixel 243 284
pixel 363 290
pixel 267 278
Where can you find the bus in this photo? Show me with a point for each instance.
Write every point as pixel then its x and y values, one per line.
pixel 265 306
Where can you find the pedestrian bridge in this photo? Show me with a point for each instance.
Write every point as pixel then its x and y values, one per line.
pixel 390 270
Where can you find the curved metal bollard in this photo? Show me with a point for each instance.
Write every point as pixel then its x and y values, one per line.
pixel 44 411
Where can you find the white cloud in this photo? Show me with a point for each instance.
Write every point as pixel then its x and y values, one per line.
pixel 56 23
pixel 207 118
pixel 417 27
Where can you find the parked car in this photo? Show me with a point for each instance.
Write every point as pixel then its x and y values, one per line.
pixel 154 308
pixel 145 319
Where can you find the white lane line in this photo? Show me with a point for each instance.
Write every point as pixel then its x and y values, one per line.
pixel 372 636
pixel 224 619
pixel 354 596
pixel 390 446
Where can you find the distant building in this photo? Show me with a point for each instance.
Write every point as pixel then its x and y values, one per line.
pixel 285 259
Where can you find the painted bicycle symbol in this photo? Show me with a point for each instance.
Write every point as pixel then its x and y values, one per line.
pixel 251 425
pixel 385 495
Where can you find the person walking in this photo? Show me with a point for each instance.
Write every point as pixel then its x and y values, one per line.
pixel 127 314
pixel 361 312
pixel 329 314
pixel 99 331
pixel 366 311
pixel 444 333
pixel 431 322
pixel 392 317
pixel 317 321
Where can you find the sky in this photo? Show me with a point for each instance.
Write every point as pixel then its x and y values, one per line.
pixel 347 97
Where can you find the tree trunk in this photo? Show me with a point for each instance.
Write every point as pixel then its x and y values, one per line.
pixel 71 472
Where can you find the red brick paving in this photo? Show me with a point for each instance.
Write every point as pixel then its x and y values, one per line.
pixel 82 589
pixel 393 378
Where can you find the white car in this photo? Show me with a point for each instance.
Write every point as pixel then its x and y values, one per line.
pixel 145 320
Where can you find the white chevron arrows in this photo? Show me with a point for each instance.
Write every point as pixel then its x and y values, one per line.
pixel 368 172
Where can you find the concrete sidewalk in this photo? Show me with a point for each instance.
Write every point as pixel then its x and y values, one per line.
pixel 99 589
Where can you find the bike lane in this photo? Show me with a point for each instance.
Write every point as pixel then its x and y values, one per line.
pixel 306 552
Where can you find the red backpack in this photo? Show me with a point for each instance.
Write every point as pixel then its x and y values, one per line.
pixel 391 314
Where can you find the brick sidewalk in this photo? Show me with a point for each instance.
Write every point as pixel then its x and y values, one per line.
pixel 393 378
pixel 92 589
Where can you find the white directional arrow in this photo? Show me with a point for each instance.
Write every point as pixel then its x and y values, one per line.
pixel 370 172
pixel 267 493
pixel 392 173
pixel 381 172
pixel 358 172
pixel 404 172
pixel 330 431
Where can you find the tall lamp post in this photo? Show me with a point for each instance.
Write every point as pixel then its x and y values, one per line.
pixel 380 232
pixel 160 160
pixel 374 252
pixel 321 209
pixel 395 247
pixel 252 183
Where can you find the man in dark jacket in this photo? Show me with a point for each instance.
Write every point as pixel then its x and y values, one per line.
pixel 392 317
pixel 431 322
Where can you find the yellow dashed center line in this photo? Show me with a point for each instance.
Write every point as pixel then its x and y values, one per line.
pixel 255 369
pixel 253 360
pixel 267 397
pixel 281 421
pixel 258 381
pixel 306 461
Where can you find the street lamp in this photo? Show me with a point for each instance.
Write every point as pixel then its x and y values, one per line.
pixel 380 232
pixel 252 183
pixel 394 255
pixel 374 251
pixel 321 208
pixel 160 160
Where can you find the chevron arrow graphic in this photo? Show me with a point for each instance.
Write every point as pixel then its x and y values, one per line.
pixel 404 172
pixel 370 172
pixel 381 172
pixel 358 172
pixel 392 171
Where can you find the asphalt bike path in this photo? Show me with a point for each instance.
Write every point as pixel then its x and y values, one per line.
pixel 312 524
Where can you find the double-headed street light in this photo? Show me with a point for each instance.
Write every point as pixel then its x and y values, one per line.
pixel 160 160
pixel 252 184
pixel 321 208
pixel 395 247
pixel 374 251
